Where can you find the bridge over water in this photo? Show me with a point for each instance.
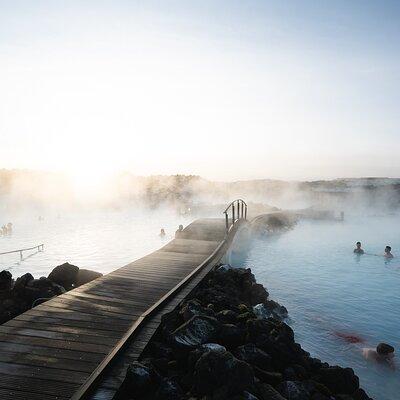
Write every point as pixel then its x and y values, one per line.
pixel 78 345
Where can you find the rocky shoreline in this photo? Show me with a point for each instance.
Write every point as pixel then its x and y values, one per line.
pixel 20 295
pixel 228 340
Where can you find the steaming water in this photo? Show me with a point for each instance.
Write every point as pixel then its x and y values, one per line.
pixel 328 290
pixel 98 240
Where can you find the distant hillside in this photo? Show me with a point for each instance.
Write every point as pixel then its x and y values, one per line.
pixel 19 187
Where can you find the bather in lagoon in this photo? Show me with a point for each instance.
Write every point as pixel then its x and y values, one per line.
pixel 358 249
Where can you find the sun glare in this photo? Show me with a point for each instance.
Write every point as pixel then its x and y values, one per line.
pixel 89 184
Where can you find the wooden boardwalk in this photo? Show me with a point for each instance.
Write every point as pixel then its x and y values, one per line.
pixel 51 351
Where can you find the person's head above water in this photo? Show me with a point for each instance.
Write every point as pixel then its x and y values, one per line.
pixel 358 248
pixel 384 349
pixel 388 252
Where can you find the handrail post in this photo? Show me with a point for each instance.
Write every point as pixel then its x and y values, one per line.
pixel 238 208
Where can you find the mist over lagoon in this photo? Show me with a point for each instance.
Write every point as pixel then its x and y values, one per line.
pixel 199 200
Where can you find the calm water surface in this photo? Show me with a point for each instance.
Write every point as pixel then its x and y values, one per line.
pixel 329 291
pixel 94 239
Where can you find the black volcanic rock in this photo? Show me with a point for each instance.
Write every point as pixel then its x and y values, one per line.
pixel 216 369
pixel 65 275
pixel 216 345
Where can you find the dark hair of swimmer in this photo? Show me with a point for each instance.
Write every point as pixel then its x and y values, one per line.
pixel 384 348
pixel 388 248
pixel 358 244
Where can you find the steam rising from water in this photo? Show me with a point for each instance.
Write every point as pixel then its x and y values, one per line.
pixel 40 192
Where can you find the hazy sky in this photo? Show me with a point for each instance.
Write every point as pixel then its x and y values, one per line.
pixel 224 89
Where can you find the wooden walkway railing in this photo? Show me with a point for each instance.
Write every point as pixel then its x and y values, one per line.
pixel 236 210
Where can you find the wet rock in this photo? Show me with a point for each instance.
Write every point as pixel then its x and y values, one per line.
pixel 10 308
pixel 42 288
pixel 258 294
pixel 339 380
pixel 273 378
pixel 231 336
pixel 193 308
pixel 216 369
pixel 320 396
pixel 160 350
pixel 267 392
pixel 247 396
pixel 293 390
pixel 384 349
pixel 6 280
pixel 65 275
pixel 224 268
pixel 169 390
pixel 261 312
pixel 86 276
pixel 227 317
pixel 212 347
pixel 360 394
pixel 254 356
pixel 138 379
pixel 344 397
pixel 22 282
pixel 277 310
pixel 200 329
pixel 170 322
pixel 295 372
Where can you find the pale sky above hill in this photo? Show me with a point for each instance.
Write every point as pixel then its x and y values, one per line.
pixel 223 89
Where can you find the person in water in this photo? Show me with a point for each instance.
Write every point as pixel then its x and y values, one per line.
pixel 162 232
pixel 383 354
pixel 388 252
pixel 178 233
pixel 358 249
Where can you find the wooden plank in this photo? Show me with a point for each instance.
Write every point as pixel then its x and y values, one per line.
pixel 70 314
pixel 46 351
pixel 63 328
pixel 36 386
pixel 43 373
pixel 91 308
pixel 46 361
pixel 45 319
pixel 52 343
pixel 12 394
pixel 31 332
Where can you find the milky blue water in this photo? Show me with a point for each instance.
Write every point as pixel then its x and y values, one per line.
pixel 101 240
pixel 329 291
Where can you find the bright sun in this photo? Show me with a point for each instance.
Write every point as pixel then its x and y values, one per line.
pixel 89 184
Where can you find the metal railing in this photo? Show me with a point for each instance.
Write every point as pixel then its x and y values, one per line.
pixel 39 247
pixel 236 210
